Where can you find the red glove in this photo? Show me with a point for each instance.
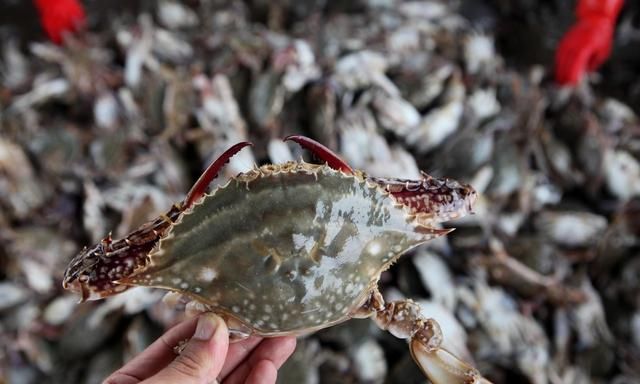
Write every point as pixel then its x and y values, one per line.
pixel 588 43
pixel 60 16
pixel 587 9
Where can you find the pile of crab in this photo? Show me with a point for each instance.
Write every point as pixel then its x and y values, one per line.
pixel 103 140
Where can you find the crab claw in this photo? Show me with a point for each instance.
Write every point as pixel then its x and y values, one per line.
pixel 432 199
pixel 443 367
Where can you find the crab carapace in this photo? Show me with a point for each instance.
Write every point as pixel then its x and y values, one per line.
pixel 289 249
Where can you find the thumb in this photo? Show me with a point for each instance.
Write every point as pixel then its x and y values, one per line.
pixel 202 358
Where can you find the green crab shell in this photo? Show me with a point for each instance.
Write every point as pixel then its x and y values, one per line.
pixel 286 248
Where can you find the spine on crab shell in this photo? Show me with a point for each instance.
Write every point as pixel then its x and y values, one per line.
pixel 324 153
pixel 200 186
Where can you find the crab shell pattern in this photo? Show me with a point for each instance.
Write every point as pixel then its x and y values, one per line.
pixel 289 249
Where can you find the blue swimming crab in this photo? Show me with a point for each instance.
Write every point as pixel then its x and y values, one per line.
pixel 289 249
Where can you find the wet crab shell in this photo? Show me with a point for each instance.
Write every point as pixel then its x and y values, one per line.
pixel 285 248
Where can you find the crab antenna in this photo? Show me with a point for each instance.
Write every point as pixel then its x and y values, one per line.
pixel 322 152
pixel 210 173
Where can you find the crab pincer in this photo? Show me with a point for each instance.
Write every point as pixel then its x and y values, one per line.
pixel 288 249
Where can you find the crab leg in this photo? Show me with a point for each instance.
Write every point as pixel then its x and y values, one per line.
pixel 403 320
pixel 431 199
pixel 322 152
pixel 134 249
pixel 210 173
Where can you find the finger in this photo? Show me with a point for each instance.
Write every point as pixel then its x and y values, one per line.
pixel 564 55
pixel 572 54
pixel 581 63
pixel 157 356
pixel 237 353
pixel 560 69
pixel 202 358
pixel 263 373
pixel 276 350
pixel 573 64
pixel 600 55
pixel 567 68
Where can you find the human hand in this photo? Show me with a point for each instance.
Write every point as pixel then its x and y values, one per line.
pixel 588 43
pixel 584 48
pixel 206 357
pixel 58 17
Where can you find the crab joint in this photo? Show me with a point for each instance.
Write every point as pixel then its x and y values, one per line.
pixel 404 320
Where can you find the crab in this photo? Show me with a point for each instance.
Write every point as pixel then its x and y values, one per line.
pixel 289 249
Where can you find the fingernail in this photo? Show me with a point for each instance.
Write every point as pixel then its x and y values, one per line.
pixel 207 324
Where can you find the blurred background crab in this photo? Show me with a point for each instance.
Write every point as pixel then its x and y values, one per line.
pixel 108 128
